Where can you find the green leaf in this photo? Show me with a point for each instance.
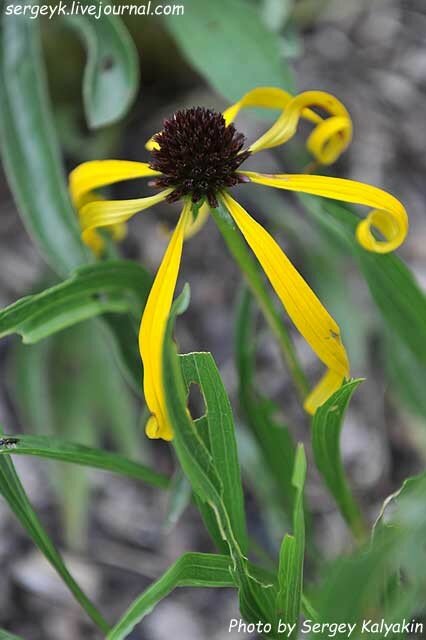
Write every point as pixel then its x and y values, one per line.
pixel 78 298
pixel 29 147
pixel 357 585
pixel 229 46
pixel 274 439
pixel 5 635
pixel 406 374
pixel 56 449
pixel 14 494
pixel 180 495
pixel 201 369
pixel 290 571
pixel 33 164
pixel 111 75
pixel 326 427
pixel 199 466
pixel 190 570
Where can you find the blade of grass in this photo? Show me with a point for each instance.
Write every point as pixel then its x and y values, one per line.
pixel 200 468
pixel 326 427
pixel 56 449
pixel 5 635
pixel 290 571
pixel 201 369
pixel 190 570
pixel 29 147
pixel 274 440
pixel 77 298
pixel 14 494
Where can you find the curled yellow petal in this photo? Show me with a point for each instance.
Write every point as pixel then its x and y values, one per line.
pixel 330 136
pixel 267 98
pixel 89 176
pixel 153 328
pixel 104 213
pixel 151 144
pixel 388 216
pixel 302 305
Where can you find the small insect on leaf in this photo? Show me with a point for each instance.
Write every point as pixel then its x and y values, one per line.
pixel 9 443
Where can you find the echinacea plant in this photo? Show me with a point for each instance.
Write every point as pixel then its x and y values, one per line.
pixel 197 159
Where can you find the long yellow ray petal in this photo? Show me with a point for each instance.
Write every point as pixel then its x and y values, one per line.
pixel 302 305
pixel 153 327
pixel 330 136
pixel 388 216
pixel 104 213
pixel 89 176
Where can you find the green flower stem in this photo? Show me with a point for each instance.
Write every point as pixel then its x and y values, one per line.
pixel 251 271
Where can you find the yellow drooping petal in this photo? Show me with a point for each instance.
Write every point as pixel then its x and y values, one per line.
pixel 153 328
pixel 89 176
pixel 328 140
pixel 105 213
pixel 388 216
pixel 302 305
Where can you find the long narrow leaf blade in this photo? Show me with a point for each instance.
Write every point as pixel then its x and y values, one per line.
pixel 256 598
pixel 290 572
pixel 274 439
pixel 80 297
pixel 56 449
pixel 29 146
pixel 200 368
pixel 326 427
pixel 14 494
pixel 191 570
pixel 5 635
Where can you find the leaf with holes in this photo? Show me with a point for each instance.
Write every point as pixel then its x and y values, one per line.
pixel 111 75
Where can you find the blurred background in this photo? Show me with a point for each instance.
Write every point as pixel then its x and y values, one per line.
pixel 117 535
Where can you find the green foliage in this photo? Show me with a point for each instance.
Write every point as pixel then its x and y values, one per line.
pixel 53 448
pixel 399 299
pixel 111 75
pixel 113 286
pixel 62 401
pixel 29 147
pixel 14 494
pixel 191 570
pixel 229 46
pixel 290 570
pixel 5 635
pixel 326 427
pixel 200 464
pixel 200 368
pixel 358 585
pixel 273 439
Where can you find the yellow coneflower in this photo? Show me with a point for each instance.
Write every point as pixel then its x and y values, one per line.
pixel 196 158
